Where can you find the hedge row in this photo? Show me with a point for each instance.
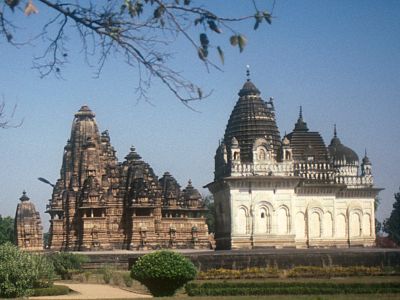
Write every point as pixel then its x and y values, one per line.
pixel 239 274
pixel 292 288
pixel 296 272
pixel 50 291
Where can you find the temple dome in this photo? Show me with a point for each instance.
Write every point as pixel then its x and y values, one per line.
pixel 340 153
pixel 251 118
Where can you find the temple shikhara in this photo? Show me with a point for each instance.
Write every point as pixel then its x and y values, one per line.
pixel 290 191
pixel 100 203
pixel 28 226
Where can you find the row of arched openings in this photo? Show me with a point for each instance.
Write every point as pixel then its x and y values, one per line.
pixel 319 224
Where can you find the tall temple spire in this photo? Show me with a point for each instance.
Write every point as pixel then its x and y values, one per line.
pixel 300 125
pixel 334 131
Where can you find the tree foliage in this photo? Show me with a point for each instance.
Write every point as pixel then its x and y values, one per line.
pixel 163 272
pixel 21 271
pixel 136 31
pixel 6 230
pixel 210 216
pixel 392 224
pixel 65 264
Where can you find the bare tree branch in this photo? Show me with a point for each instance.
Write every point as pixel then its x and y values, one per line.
pixel 6 121
pixel 136 30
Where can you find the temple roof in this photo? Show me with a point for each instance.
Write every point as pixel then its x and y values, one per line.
pixel 251 118
pixel 190 192
pixel 25 209
pixel 305 143
pixel 169 185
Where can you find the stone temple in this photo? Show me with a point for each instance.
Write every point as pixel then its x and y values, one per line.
pixel 28 226
pixel 100 203
pixel 288 192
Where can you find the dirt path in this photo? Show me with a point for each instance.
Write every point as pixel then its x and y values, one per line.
pixel 94 291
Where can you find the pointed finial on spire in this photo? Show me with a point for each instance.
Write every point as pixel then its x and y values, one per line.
pixel 248 72
pixel 334 131
pixel 365 152
pixel 301 112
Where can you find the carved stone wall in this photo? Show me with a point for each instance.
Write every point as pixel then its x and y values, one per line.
pixel 100 203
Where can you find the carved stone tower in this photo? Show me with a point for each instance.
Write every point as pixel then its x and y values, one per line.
pixel 28 226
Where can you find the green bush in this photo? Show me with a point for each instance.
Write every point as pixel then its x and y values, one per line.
pixel 51 291
pixel 44 271
pixel 21 271
pixel 107 274
pixel 127 279
pixel 65 264
pixel 87 275
pixel 163 272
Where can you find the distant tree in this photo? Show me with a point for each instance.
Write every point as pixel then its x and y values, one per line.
pixel 6 230
pixel 392 224
pixel 210 216
pixel 138 32
pixel 46 238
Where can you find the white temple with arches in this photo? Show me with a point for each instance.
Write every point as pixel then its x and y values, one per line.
pixel 288 192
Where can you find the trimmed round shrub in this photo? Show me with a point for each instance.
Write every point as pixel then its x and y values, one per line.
pixel 163 272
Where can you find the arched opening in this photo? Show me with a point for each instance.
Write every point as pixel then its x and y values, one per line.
pixel 367 225
pixel 263 223
pixel 315 225
pixel 355 225
pixel 283 221
pixel 241 221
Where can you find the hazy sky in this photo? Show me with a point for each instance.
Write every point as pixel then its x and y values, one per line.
pixel 340 60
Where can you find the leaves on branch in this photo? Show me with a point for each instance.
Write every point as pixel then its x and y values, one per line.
pixel 204 40
pixel 30 8
pixel 221 54
pixel 267 17
pixel 12 3
pixel 234 39
pixel 213 26
pixel 259 17
pixel 203 53
pixel 242 41
pixel 159 11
